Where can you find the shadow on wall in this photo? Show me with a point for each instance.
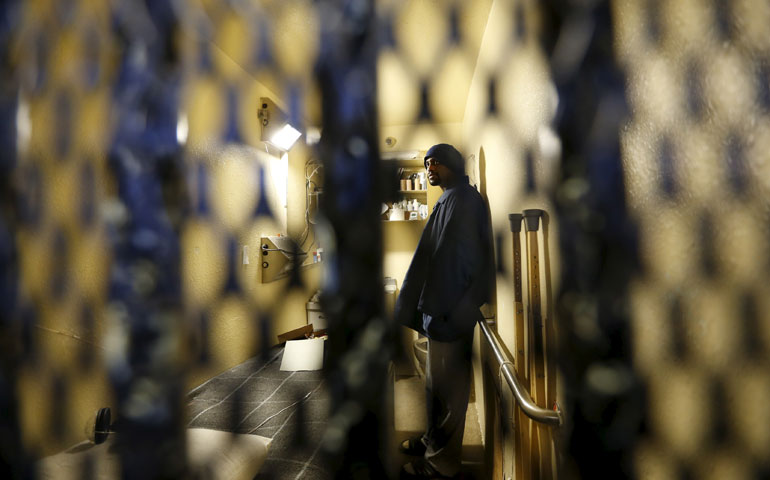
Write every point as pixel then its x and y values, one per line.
pixel 490 309
pixel 483 173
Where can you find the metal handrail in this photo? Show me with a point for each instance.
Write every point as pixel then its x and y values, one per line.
pixel 530 408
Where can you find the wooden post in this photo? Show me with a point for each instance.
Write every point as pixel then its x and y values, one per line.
pixel 523 423
pixel 539 434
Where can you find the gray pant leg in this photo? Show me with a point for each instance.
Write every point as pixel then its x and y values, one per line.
pixel 447 385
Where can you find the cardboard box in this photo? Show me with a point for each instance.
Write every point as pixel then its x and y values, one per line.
pixel 300 332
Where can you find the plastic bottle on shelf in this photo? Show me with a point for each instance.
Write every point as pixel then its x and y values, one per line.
pixel 424 211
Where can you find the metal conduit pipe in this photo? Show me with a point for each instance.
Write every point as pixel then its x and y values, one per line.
pixel 530 409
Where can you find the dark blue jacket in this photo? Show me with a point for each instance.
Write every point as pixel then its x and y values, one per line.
pixel 452 272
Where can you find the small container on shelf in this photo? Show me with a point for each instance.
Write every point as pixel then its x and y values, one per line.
pixel 396 213
pixel 423 211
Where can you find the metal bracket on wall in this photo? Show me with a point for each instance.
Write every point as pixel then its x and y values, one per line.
pixel 278 253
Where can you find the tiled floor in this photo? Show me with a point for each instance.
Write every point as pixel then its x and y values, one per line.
pixel 256 397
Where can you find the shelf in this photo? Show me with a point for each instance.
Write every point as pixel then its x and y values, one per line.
pixel 403 156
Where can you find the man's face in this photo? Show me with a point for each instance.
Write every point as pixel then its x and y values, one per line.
pixel 438 174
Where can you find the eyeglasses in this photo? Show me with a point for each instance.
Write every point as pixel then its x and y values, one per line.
pixel 431 161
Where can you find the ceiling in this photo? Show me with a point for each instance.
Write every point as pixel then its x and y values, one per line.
pixel 422 54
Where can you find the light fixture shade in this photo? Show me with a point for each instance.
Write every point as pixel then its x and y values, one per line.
pixel 285 137
pixel 276 130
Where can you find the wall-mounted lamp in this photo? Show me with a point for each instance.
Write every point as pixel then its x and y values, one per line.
pixel 276 128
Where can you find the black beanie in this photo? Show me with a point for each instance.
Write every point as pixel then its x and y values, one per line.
pixel 446 155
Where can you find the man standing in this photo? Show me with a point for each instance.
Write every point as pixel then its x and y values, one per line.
pixel 449 278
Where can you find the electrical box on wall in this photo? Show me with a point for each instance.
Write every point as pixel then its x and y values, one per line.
pixel 278 254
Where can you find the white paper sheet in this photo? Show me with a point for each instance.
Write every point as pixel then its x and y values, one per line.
pixel 303 355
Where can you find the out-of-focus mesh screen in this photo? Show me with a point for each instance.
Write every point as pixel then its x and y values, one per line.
pixel 137 190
